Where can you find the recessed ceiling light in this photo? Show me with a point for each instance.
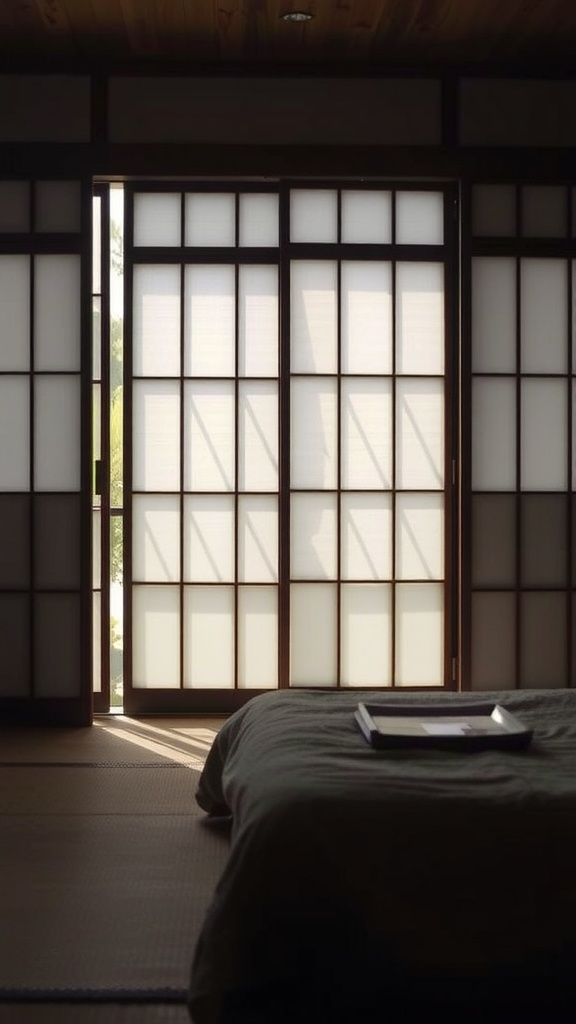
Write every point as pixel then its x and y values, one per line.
pixel 297 16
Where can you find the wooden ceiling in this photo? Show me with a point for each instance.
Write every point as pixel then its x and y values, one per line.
pixel 378 34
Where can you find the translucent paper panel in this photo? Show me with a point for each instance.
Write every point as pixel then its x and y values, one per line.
pixel 156 444
pixel 494 210
pixel 210 219
pixel 420 434
pixel 419 536
pixel 96 243
pixel 419 634
pixel 259 219
pixel 419 218
pixel 313 634
pixel 157 219
pixel 57 313
pixel 14 542
pixel 209 538
pixel 313 536
pixel 15 645
pixel 366 425
pixel 313 215
pixel 258 322
pixel 313 316
pixel 258 436
pixel 493 540
pixel 313 429
pixel 96 549
pixel 544 316
pixel 209 637
pixel 156 637
pixel 544 532
pixel 155 538
pixel 57 543
pixel 420 318
pixel 156 337
pixel 544 211
pixel 543 641
pixel 15 313
pixel 57 633
pixel 96 644
pixel 14 434
pixel 366 317
pixel 257 539
pixel 366 532
pixel 14 206
pixel 209 436
pixel 493 641
pixel 58 206
pixel 258 637
pixel 366 217
pixel 209 321
pixel 544 424
pixel 493 315
pixel 57 433
pixel 493 435
pixel 366 632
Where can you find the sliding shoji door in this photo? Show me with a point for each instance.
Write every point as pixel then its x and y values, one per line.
pixel 45 644
pixel 521 617
pixel 289 434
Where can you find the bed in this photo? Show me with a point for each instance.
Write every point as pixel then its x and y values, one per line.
pixel 360 879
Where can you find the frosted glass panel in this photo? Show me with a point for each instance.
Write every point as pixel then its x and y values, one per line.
pixel 58 206
pixel 156 339
pixel 419 536
pixel 156 452
pixel 209 539
pixel 544 316
pixel 57 632
pixel 14 434
pixel 313 633
pixel 543 641
pixel 313 215
pixel 209 436
pixel 420 318
pixel 257 539
pixel 419 218
pixel 544 449
pixel 15 312
pixel 258 436
pixel 14 206
pixel 366 419
pixel 493 641
pixel 258 637
pixel 493 315
pixel 57 434
pixel 419 634
pixel 366 217
pixel 494 435
pixel 366 530
pixel 209 321
pixel 313 429
pixel 313 536
pixel 157 219
pixel 156 539
pixel 209 637
pixel 366 624
pixel 313 317
pixel 259 219
pixel 420 434
pixel 258 322
pixel 57 313
pixel 156 637
pixel 544 211
pixel 494 210
pixel 366 317
pixel 210 219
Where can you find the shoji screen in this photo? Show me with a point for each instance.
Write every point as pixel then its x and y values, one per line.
pixel 44 524
pixel 523 469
